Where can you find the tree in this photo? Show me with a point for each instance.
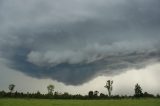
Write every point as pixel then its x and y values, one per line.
pixel 146 94
pixel 109 87
pixel 96 93
pixel 90 94
pixel 102 95
pixel 138 91
pixel 11 88
pixel 50 89
pixel 38 94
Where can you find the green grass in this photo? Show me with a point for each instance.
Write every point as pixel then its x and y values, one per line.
pixel 46 102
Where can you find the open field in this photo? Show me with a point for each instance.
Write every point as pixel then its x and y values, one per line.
pixel 46 102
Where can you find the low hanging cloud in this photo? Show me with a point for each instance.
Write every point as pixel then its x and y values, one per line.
pixel 89 54
pixel 75 41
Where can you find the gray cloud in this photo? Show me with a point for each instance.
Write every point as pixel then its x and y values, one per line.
pixel 74 41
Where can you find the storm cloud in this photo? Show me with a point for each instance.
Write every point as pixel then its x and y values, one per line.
pixel 75 41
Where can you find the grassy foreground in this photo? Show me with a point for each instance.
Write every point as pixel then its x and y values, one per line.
pixel 45 102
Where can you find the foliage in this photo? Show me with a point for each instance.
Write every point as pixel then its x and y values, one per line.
pixel 138 91
pixel 11 87
pixel 50 89
pixel 109 87
pixel 66 95
pixel 91 94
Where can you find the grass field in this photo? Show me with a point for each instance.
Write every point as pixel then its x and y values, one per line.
pixel 45 102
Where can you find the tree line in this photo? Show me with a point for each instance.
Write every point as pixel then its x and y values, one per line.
pixel 91 94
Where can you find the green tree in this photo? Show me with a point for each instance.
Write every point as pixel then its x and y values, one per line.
pixel 109 87
pixel 138 91
pixel 90 94
pixel 11 88
pixel 96 93
pixel 50 89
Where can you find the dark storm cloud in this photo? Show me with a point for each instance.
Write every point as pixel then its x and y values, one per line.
pixel 74 41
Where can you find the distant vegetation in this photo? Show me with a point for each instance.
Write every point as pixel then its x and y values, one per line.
pixel 91 94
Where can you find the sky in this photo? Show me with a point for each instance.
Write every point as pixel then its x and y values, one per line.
pixel 78 45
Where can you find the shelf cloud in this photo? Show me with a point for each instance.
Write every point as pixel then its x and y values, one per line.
pixel 75 41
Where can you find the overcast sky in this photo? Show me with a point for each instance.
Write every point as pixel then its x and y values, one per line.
pixel 78 44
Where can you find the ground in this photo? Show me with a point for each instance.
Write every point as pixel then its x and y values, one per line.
pixel 46 102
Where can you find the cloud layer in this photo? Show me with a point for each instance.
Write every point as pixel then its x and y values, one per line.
pixel 74 41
